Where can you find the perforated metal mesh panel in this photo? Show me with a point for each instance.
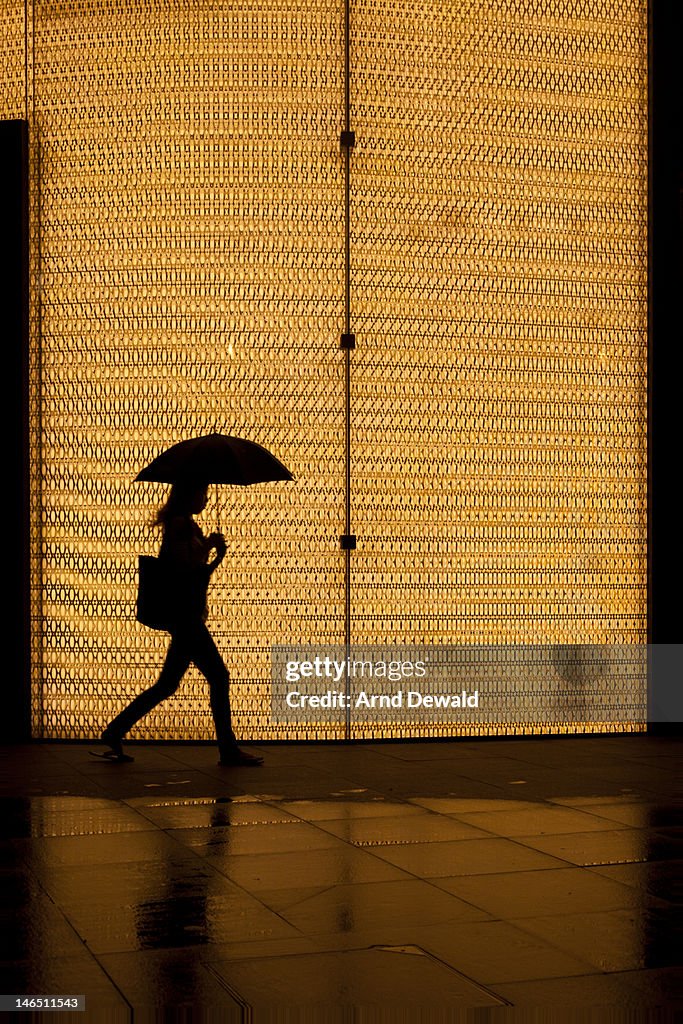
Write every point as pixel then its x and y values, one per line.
pixel 191 255
pixel 499 301
pixel 188 275
pixel 13 83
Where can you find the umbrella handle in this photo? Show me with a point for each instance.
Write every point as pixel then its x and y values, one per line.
pixel 218 509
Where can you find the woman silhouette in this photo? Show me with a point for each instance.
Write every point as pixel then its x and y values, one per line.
pixel 185 553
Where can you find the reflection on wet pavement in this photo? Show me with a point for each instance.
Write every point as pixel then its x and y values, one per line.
pixel 411 875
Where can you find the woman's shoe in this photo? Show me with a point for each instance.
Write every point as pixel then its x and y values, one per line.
pixel 114 742
pixel 113 758
pixel 240 757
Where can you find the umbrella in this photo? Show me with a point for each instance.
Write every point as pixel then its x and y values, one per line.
pixel 215 459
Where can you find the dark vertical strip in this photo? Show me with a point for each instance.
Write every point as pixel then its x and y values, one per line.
pixel 347 358
pixel 16 718
pixel 665 330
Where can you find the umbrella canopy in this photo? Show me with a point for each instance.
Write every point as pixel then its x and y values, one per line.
pixel 215 459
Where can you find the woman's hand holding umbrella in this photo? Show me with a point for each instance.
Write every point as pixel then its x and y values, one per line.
pixel 216 541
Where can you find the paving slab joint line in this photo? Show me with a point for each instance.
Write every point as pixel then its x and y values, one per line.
pixel 89 951
pixel 245 1007
pixel 454 970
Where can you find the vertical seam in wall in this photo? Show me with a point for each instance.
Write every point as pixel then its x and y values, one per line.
pixel 26 60
pixel 347 360
pixel 36 438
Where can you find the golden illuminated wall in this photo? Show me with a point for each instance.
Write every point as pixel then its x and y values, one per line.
pixel 499 295
pixel 13 85
pixel 190 244
pixel 187 205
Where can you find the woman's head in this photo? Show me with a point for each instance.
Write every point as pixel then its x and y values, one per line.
pixel 187 498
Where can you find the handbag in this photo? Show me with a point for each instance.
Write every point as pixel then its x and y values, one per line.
pixel 153 606
pixel 169 597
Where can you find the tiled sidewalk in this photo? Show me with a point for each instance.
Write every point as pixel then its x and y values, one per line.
pixel 347 883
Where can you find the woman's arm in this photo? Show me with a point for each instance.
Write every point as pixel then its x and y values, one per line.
pixel 217 541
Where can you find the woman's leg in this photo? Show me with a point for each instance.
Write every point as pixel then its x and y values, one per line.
pixel 208 660
pixel 174 668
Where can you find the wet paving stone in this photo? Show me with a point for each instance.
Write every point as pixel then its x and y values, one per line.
pixel 341 864
pixel 31 926
pixel 536 819
pixel 172 983
pixel 237 840
pixel 379 908
pixel 661 879
pixel 538 871
pixel 607 847
pixel 349 809
pixel 497 951
pixel 57 973
pixel 211 813
pixel 466 857
pixel 404 978
pixel 157 904
pixel 399 829
pixel 640 815
pixel 49 852
pixel 558 891
pixel 66 815
pixel 592 993
pixel 616 940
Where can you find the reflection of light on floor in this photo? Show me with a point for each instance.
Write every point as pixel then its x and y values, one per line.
pixel 173 782
pixel 162 872
pixel 80 816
